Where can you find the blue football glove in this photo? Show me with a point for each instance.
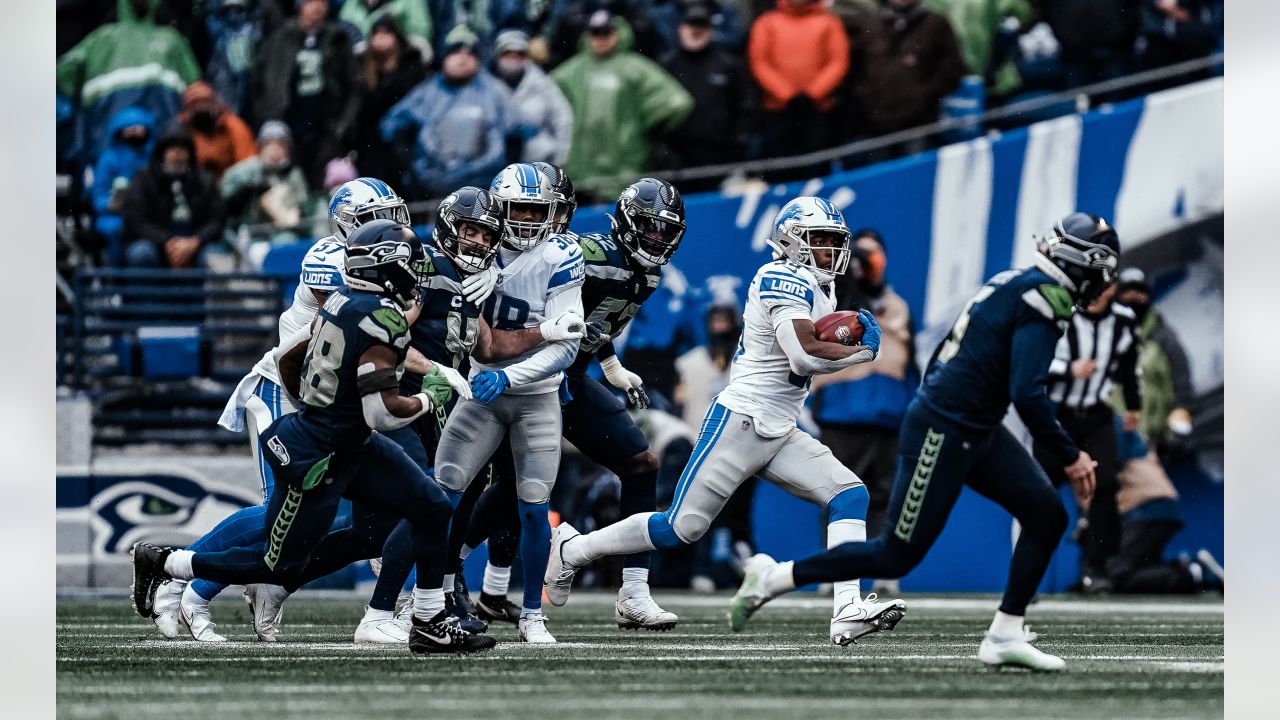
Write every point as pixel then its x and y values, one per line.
pixel 595 334
pixel 871 330
pixel 488 385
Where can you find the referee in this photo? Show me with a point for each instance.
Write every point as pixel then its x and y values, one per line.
pixel 1098 351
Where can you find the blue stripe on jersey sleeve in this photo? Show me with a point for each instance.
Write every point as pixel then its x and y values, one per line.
pixel 568 274
pixel 321 278
pixel 786 286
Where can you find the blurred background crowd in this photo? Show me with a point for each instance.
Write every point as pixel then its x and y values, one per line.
pixel 186 128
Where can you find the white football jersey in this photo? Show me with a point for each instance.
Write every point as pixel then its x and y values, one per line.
pixel 761 383
pixel 534 286
pixel 321 271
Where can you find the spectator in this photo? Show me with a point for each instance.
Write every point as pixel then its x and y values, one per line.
pixel 728 32
pixel 389 69
pixel 130 134
pixel 1163 369
pixel 172 211
pixel 1150 517
pixel 539 119
pixel 411 17
pixel 1177 30
pixel 986 33
pixel 1097 354
pixel 1097 37
pixel 304 74
pixel 128 63
pixel 568 20
pixel 221 138
pixel 799 54
pixel 718 129
pixel 621 101
pixel 233 32
pixel 455 121
pixel 903 63
pixel 266 196
pixel 484 19
pixel 704 370
pixel 860 408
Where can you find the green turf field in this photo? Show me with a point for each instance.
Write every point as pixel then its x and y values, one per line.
pixel 1142 658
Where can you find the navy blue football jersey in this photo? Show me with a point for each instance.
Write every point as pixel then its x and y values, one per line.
pixel 999 351
pixel 448 327
pixel 351 322
pixel 613 292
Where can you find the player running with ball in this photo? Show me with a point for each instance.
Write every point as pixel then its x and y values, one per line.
pixel 750 428
pixel 998 352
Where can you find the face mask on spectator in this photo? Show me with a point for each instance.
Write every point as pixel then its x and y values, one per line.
pixel 511 67
pixel 275 157
pixel 204 121
pixel 135 136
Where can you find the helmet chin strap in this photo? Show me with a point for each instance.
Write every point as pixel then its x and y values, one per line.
pixel 1046 264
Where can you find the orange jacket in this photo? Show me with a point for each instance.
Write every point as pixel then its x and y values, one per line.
pixel 231 140
pixel 798 48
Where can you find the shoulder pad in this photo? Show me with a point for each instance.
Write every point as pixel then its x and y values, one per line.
pixel 387 324
pixel 592 251
pixel 1053 302
pixel 322 266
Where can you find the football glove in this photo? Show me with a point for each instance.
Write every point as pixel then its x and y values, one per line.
pixel 871 331
pixel 488 385
pixel 627 381
pixel 595 334
pixel 477 288
pixel 568 326
pixel 442 382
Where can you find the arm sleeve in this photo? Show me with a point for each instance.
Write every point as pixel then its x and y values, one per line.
pixel 606 351
pixel 1127 376
pixel 1030 355
pixel 802 363
pixel 553 357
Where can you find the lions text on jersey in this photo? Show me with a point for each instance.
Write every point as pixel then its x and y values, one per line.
pixel 761 382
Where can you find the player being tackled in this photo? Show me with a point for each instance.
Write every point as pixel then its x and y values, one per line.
pixel 750 428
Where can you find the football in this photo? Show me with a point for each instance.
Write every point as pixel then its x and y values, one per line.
pixel 841 326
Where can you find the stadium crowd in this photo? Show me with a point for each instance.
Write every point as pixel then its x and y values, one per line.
pixel 275 102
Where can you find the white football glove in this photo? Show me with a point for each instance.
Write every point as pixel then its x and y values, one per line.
pixel 625 380
pixel 567 326
pixel 460 386
pixel 478 287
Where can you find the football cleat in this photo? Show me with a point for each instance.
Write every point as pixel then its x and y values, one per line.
pixel 749 597
pixel 381 629
pixel 197 621
pixel 1017 652
pixel 441 634
pixel 864 617
pixel 533 629
pixel 641 611
pixel 497 608
pixel 267 603
pixel 165 606
pixel 148 575
pixel 466 620
pixel 558 579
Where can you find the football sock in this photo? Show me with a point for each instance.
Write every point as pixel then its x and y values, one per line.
pixel 526 611
pixel 628 535
pixel 496 579
pixel 635 582
pixel 839 533
pixel 639 495
pixel 191 597
pixel 535 546
pixel 1005 626
pixel 778 579
pixel 178 564
pixel 427 602
pixel 465 551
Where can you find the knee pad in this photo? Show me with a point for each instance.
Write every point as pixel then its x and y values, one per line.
pixel 849 504
pixel 533 491
pixel 450 477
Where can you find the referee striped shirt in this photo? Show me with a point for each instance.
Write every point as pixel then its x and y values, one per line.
pixel 1110 340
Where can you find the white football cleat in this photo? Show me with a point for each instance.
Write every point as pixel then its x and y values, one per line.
pixel 267 604
pixel 640 611
pixel 1017 652
pixel 383 629
pixel 197 621
pixel 558 580
pixel 863 617
pixel 750 596
pixel 533 629
pixel 165 605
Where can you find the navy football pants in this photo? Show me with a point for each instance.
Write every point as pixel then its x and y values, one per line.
pixel 935 460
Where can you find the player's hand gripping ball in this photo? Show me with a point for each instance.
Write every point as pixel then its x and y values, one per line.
pixel 841 326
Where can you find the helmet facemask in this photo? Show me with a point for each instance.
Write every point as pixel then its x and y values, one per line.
pixel 472 244
pixel 1085 268
pixel 347 217
pixel 809 243
pixel 537 223
pixel 650 236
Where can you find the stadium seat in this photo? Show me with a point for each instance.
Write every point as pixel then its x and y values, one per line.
pixel 282 261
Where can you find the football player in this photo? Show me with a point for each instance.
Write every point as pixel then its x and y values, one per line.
pixel 258 401
pixel 750 428
pixel 541 276
pixel 327 450
pixel 998 351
